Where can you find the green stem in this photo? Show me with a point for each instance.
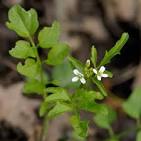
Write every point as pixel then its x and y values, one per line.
pixel 45 122
pixel 44 129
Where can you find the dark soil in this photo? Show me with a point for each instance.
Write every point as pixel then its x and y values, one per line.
pixel 11 133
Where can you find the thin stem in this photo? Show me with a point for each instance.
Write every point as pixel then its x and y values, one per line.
pixel 45 121
pixel 44 129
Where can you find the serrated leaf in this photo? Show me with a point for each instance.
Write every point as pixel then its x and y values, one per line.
pixel 57 54
pixel 138 136
pixel 43 108
pixel 94 56
pixel 24 23
pixel 132 106
pixel 22 50
pixel 59 109
pixel 49 36
pixel 30 69
pixel 76 63
pixel 105 120
pixel 33 86
pixel 115 50
pixel 57 94
pixel 80 127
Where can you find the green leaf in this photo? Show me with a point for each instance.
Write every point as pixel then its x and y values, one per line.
pixel 22 50
pixel 80 127
pixel 105 120
pixel 43 108
pixel 49 36
pixel 94 56
pixel 100 86
pixel 133 104
pixel 115 50
pixel 62 75
pixel 24 23
pixel 33 86
pixel 58 94
pixel 138 137
pixel 57 54
pixel 85 100
pixel 59 109
pixel 30 69
pixel 76 63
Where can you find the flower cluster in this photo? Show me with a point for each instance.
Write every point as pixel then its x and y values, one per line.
pixel 80 76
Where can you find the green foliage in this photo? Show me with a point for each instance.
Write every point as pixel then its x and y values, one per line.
pixel 49 36
pixel 57 100
pixel 22 50
pixel 33 86
pixel 85 100
pixel 58 94
pixel 57 54
pixel 105 120
pixel 133 104
pixel 30 69
pixel 115 50
pixel 59 109
pixel 76 63
pixel 100 86
pixel 24 23
pixel 62 75
pixel 80 127
pixel 43 108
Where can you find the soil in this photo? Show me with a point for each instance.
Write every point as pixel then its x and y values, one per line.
pixel 11 133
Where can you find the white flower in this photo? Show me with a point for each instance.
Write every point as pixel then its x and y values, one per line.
pixel 100 73
pixel 79 76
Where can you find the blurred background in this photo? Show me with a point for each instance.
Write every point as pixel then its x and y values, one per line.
pixel 84 23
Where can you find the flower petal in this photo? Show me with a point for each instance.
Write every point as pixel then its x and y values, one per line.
pixel 104 75
pixel 76 72
pixel 75 79
pixel 99 77
pixel 82 80
pixel 95 71
pixel 102 69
